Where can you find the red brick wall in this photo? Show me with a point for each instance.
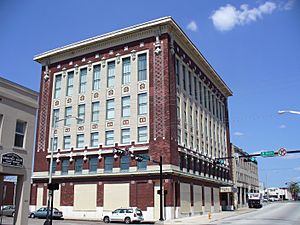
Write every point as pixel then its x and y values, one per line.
pixel 45 196
pixel 100 191
pixel 9 188
pixel 33 194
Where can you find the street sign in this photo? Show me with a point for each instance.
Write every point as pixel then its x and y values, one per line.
pixel 281 152
pixel 12 159
pixel 267 154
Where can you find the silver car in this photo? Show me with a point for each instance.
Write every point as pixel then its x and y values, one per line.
pixel 7 210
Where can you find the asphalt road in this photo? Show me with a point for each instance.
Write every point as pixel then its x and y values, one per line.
pixel 286 213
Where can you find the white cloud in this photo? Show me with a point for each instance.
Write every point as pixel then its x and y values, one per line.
pixel 192 26
pixel 227 17
pixel 287 5
pixel 237 133
pixel 282 126
pixel 295 156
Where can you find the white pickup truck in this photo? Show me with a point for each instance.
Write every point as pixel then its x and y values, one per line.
pixel 127 215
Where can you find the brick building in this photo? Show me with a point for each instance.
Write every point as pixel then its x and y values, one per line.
pixel 147 88
pixel 245 177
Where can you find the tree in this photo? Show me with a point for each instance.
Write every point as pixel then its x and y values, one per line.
pixel 294 189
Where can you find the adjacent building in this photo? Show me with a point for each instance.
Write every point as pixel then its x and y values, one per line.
pixel 145 89
pixel 245 176
pixel 18 107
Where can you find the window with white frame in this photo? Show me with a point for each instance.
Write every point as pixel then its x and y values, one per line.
pixel 94 139
pixel 142 67
pixel 142 134
pixel 67 142
pixel 125 139
pixel 126 106
pixel 195 88
pixel 57 86
pixel 177 72
pixel 20 134
pixel 96 77
pixel 142 104
pixel 183 77
pixel 78 166
pixel 110 109
pixel 81 113
pixel 109 137
pixel 124 164
pixel 111 74
pixel 190 83
pixel 93 164
pixel 95 111
pixel 55 117
pixel 82 80
pixel 54 144
pixel 80 141
pixel 64 166
pixel 70 81
pixel 68 115
pixel 1 121
pixel 126 73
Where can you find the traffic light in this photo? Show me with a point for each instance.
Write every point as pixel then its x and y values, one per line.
pixel 220 162
pixel 250 159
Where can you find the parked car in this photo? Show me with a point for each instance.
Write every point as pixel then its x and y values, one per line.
pixel 126 215
pixel 7 210
pixel 42 213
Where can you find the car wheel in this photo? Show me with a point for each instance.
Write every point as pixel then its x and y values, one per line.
pixel 106 219
pixel 13 214
pixel 32 215
pixel 127 220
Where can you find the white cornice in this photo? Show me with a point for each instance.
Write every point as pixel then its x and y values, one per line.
pixel 147 29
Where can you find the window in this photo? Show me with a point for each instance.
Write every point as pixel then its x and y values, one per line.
pixel 190 83
pixel 65 166
pixel 80 141
pixel 81 113
pixel 179 136
pixel 110 109
pixel 78 166
pixel 95 111
pixel 125 136
pixel 96 77
pixel 205 97
pixel 109 137
pixel 93 164
pixel 126 71
pixel 70 83
pixel 82 81
pixel 53 166
pixel 1 120
pixel 200 92
pixel 183 76
pixel 142 67
pixel 111 74
pixel 67 142
pixel 124 163
pixel 68 115
pixel 142 102
pixel 195 88
pixel 108 164
pixel 126 106
pixel 143 164
pixel 177 72
pixel 94 139
pixel 142 134
pixel 54 144
pixel 55 117
pixel 20 134
pixel 57 89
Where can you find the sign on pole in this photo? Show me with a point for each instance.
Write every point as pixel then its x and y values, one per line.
pixel 281 152
pixel 267 154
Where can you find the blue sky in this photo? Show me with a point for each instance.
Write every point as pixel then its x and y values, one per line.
pixel 253 45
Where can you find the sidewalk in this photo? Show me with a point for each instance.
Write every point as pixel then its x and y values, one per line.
pixel 203 219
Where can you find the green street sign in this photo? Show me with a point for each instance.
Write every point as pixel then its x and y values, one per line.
pixel 267 154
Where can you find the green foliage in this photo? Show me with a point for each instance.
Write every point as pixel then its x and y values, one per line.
pixel 294 189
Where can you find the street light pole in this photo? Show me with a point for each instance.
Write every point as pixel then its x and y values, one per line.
pixel 50 190
pixel 161 217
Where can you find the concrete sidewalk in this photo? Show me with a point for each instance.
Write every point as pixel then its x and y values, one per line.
pixel 203 219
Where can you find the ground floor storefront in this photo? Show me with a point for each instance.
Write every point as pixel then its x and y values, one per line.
pixel 88 198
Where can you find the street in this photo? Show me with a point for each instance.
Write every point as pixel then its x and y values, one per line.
pixel 281 213
pixel 287 213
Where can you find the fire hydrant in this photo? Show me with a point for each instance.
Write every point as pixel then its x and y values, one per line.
pixel 209 215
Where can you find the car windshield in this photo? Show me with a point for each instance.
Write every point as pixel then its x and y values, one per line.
pixel 139 212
